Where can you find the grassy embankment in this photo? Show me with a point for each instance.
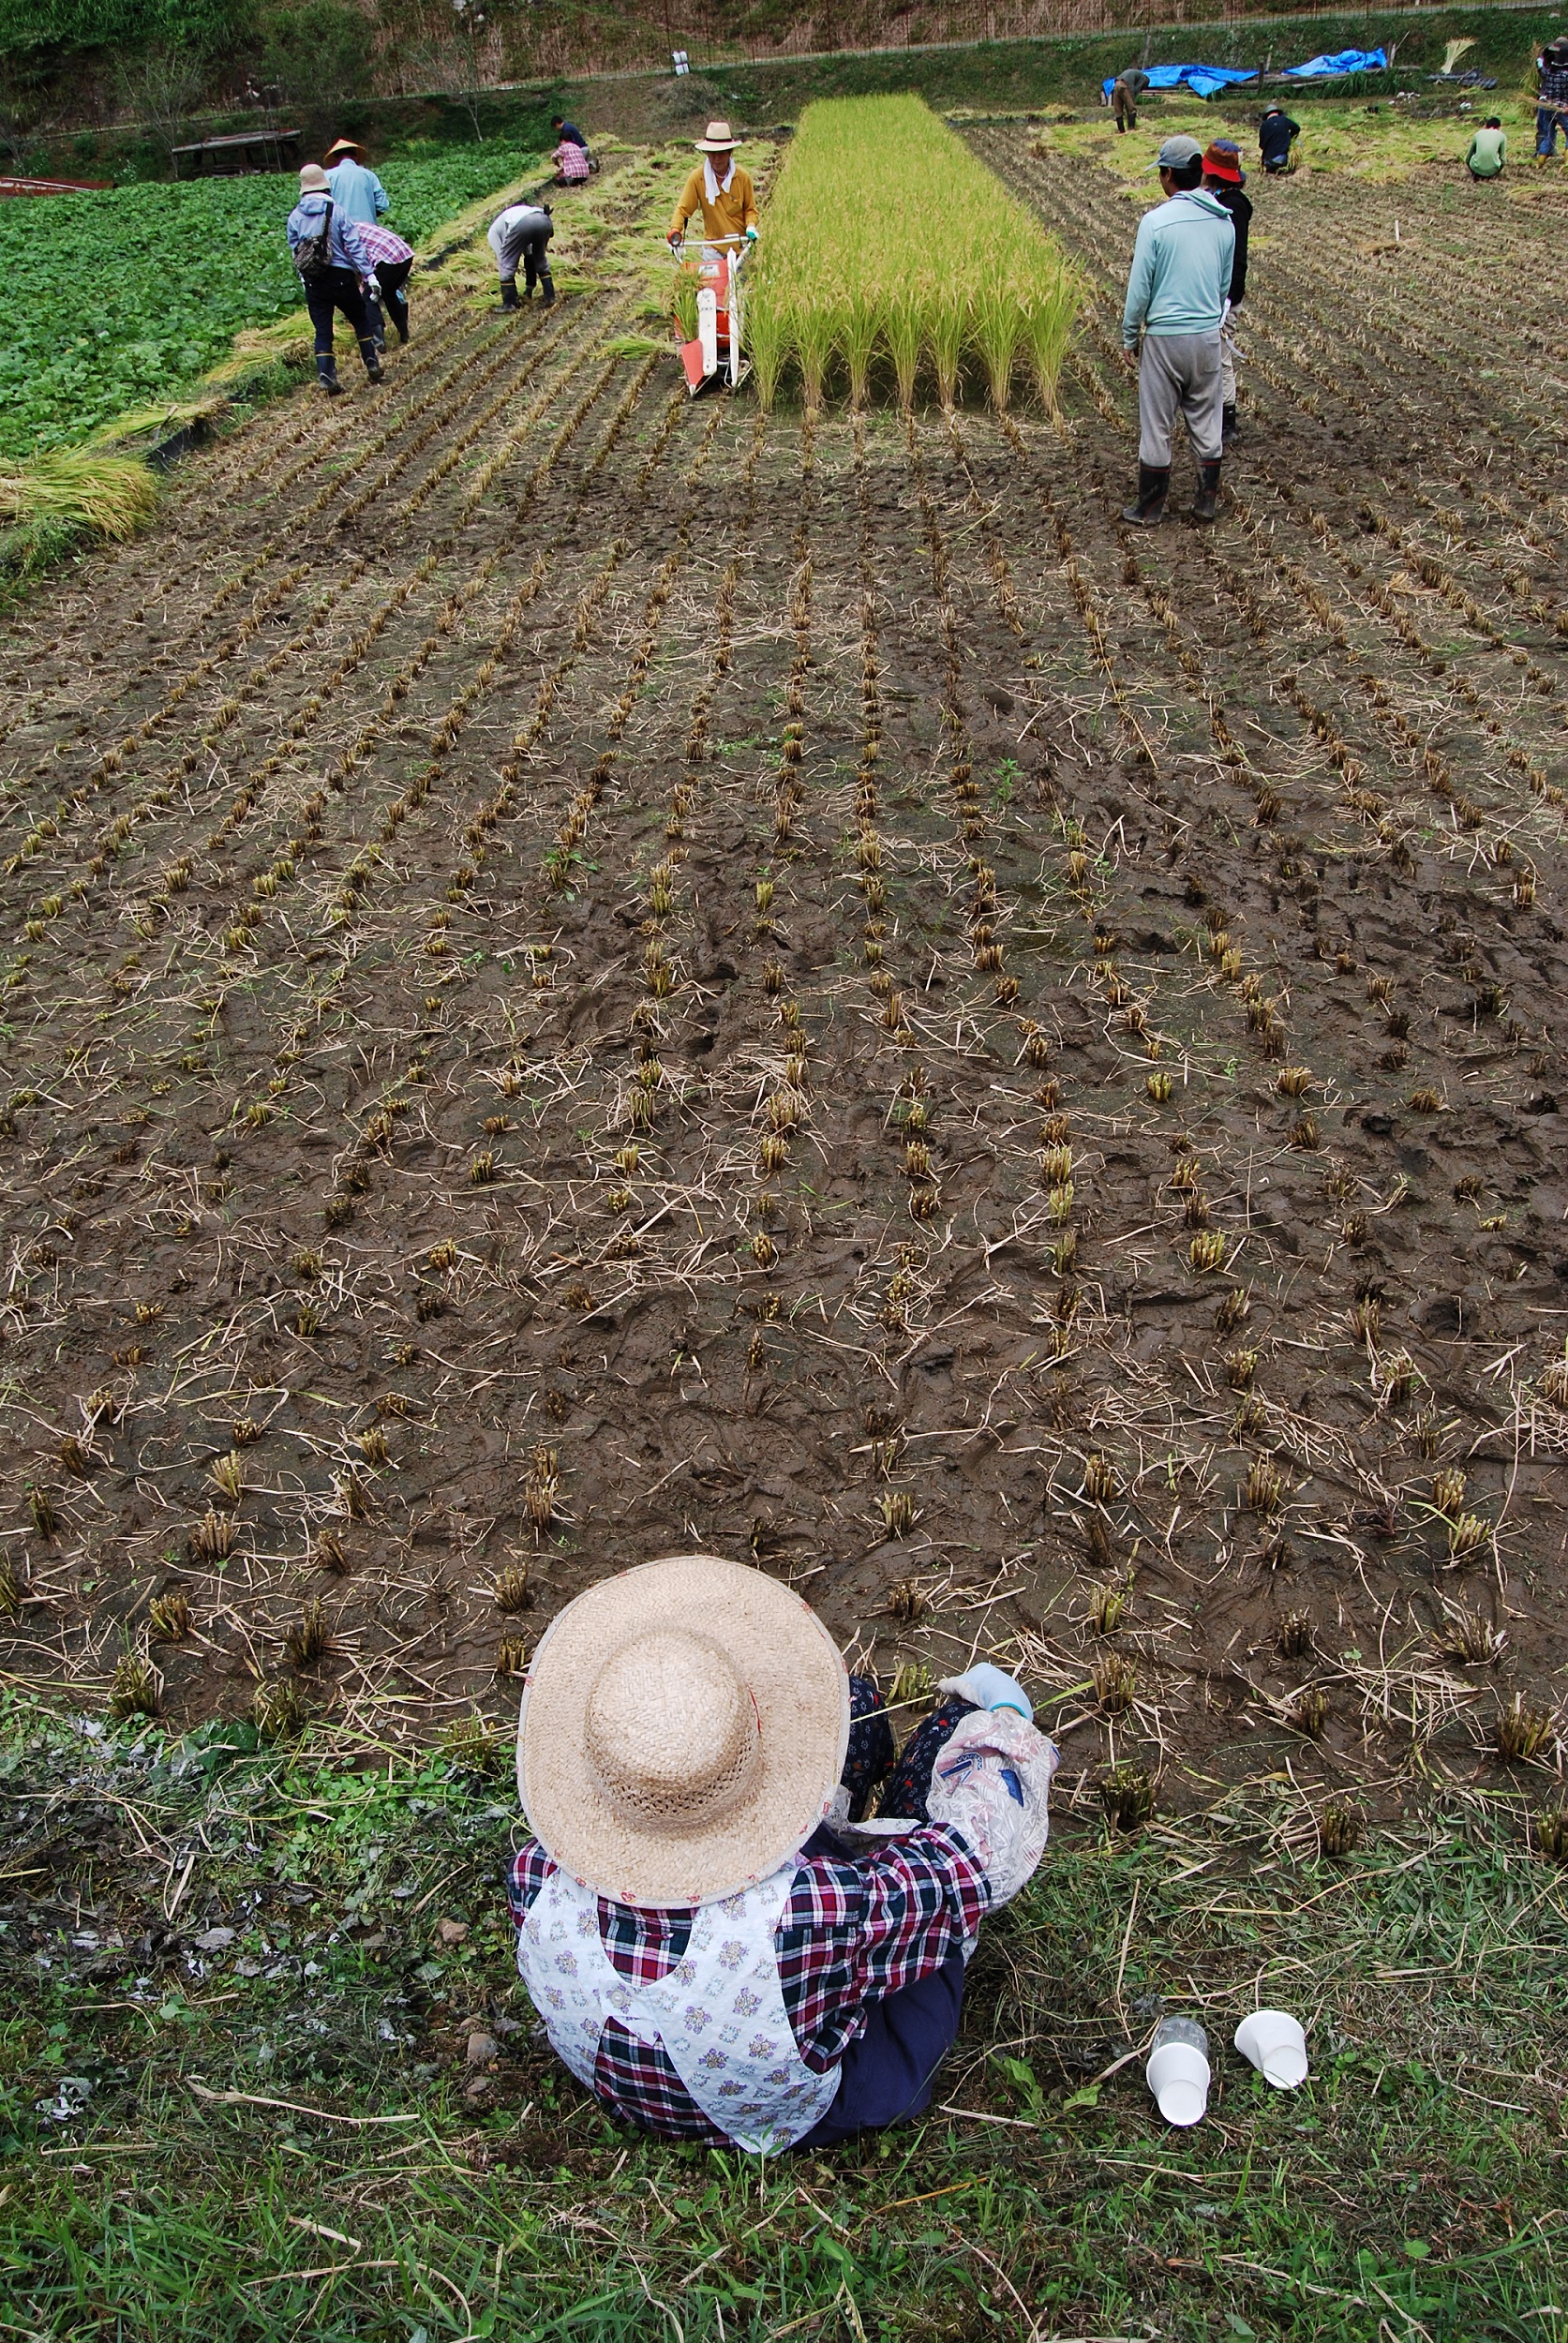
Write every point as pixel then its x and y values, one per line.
pixel 241 2094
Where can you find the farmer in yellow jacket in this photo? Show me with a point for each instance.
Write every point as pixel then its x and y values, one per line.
pixel 721 190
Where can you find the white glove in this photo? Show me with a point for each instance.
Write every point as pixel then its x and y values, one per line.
pixel 992 1782
pixel 373 286
pixel 988 1688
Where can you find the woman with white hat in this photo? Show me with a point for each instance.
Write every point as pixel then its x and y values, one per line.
pixel 720 190
pixel 333 264
pixel 714 1951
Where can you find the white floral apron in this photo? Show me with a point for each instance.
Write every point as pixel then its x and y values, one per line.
pixel 718 2015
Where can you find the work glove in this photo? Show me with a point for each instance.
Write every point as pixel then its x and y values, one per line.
pixel 988 1688
pixel 373 286
pixel 751 235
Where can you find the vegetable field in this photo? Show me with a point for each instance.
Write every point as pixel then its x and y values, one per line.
pixel 584 974
pixel 123 299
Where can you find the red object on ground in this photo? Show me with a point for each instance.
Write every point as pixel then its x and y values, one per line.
pixel 54 187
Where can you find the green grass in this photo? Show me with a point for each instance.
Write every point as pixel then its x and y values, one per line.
pixel 1414 2189
pixel 125 299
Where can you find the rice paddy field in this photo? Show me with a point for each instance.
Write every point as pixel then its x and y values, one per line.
pixel 586 974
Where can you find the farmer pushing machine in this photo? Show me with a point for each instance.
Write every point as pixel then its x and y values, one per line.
pixel 723 193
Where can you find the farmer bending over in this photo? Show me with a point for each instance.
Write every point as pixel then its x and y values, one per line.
pixel 1125 90
pixel 1177 296
pixel 720 189
pixel 523 233
pixel 713 1952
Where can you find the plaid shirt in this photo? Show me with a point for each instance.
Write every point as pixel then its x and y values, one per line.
pixel 851 1934
pixel 571 160
pixel 1554 85
pixel 382 245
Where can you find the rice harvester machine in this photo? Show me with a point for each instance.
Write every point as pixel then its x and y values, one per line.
pixel 716 359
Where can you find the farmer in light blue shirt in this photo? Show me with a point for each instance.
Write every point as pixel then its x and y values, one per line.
pixel 1177 294
pixel 355 190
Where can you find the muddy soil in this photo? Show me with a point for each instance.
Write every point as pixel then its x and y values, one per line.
pixel 587 975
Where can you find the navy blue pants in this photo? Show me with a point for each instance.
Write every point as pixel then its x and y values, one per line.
pixel 888 2070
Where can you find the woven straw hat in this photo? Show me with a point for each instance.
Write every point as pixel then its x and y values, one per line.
pixel 683 1728
pixel 718 140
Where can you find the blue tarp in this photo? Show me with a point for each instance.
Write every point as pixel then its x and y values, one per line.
pixel 1343 61
pixel 1203 78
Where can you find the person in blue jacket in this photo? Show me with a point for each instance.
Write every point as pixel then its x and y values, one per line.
pixel 338 285
pixel 1177 291
pixel 356 190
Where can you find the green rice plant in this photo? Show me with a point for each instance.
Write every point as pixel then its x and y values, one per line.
pixel 859 331
pixel 904 329
pixel 683 299
pixel 998 330
pixel 811 325
pixel 767 342
pixel 946 321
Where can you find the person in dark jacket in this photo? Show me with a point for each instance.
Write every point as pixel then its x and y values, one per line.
pixel 1551 104
pixel 1224 179
pixel 1125 90
pixel 1277 135
pixel 339 288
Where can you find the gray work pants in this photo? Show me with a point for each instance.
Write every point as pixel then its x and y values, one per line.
pixel 1228 363
pixel 1179 374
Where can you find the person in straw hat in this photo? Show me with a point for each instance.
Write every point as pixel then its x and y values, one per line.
pixel 720 190
pixel 720 1950
pixel 356 188
pixel 336 270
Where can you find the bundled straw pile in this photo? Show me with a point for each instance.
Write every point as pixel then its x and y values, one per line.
pixel 887 244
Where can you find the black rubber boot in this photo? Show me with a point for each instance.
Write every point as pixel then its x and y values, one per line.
pixel 509 296
pixel 1205 504
pixel 546 291
pixel 1154 483
pixel 371 356
pixel 326 374
pixel 1230 428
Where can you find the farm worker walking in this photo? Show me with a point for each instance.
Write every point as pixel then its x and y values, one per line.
pixel 1489 150
pixel 714 1952
pixel 356 191
pixel 1224 179
pixel 1176 295
pixel 523 233
pixel 1551 105
pixel 332 258
pixel 394 259
pixel 720 189
pixel 1125 90
pixel 1277 135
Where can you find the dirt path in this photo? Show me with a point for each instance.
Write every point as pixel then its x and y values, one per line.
pixel 585 974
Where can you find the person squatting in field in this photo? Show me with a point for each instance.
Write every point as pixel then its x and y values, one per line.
pixel 523 233
pixel 1224 179
pixel 1177 291
pixel 1489 151
pixel 334 262
pixel 716 1951
pixel 1277 135
pixel 1125 90
pixel 720 190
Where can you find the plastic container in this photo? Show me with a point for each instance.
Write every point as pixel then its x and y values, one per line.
pixel 1178 2070
pixel 1275 2043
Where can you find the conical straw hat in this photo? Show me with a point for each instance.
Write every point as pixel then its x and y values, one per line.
pixel 683 1728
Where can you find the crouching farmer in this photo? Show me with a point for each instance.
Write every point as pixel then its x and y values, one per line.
pixel 1177 294
pixel 523 233
pixel 715 1951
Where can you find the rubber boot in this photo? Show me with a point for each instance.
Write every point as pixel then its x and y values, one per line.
pixel 1205 504
pixel 1230 428
pixel 373 366
pixel 546 291
pixel 326 374
pixel 1154 482
pixel 509 296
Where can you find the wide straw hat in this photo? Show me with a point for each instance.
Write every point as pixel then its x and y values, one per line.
pixel 313 180
pixel 683 1728
pixel 718 140
pixel 345 146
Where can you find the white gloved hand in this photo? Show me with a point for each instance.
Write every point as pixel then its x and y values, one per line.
pixel 992 1782
pixel 989 1687
pixel 373 286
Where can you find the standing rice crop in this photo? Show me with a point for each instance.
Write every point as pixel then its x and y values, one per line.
pixel 934 262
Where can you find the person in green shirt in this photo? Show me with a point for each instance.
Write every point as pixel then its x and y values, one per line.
pixel 1489 150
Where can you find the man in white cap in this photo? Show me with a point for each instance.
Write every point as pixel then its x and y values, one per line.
pixel 715 1951
pixel 1177 291
pixel 720 190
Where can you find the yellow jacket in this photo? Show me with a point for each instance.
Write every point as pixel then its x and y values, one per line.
pixel 731 215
